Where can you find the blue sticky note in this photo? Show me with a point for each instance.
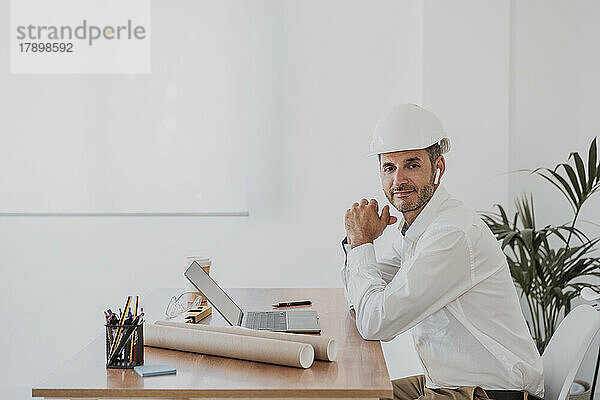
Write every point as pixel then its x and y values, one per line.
pixel 153 370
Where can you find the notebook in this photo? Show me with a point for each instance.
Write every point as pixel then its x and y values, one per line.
pixel 153 370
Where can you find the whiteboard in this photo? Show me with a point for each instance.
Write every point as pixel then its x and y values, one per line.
pixel 171 141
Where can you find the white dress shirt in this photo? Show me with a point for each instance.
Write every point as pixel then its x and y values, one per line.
pixel 448 279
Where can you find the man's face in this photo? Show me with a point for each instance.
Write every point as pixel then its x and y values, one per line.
pixel 407 179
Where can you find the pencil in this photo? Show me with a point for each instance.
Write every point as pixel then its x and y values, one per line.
pixel 114 345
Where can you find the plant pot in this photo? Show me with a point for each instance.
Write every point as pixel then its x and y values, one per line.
pixel 586 393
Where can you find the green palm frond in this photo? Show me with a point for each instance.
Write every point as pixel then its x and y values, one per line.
pixel 548 263
pixel 578 184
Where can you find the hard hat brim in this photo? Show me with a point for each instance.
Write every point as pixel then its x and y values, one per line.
pixel 444 143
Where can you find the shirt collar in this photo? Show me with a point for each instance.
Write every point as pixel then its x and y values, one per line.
pixel 426 216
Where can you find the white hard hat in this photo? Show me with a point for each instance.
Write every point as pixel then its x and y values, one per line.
pixel 408 127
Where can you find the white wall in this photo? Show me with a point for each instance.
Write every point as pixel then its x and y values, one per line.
pixel 322 74
pixel 555 85
pixel 465 81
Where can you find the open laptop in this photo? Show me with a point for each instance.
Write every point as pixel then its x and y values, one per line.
pixel 279 321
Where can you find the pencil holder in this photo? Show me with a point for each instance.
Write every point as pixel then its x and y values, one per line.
pixel 124 345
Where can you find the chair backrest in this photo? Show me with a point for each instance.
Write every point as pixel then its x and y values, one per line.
pixel 566 350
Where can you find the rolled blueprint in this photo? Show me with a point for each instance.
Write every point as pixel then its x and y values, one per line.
pixel 271 351
pixel 326 348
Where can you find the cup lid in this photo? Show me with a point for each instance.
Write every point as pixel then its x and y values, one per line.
pixel 198 259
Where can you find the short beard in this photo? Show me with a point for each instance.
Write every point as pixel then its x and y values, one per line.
pixel 423 196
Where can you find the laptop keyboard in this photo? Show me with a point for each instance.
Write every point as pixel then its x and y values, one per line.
pixel 267 320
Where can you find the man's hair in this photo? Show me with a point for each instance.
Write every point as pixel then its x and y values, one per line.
pixel 434 151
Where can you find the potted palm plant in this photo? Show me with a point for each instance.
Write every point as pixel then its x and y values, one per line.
pixel 551 264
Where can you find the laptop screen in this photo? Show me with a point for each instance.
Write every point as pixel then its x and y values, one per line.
pixel 215 295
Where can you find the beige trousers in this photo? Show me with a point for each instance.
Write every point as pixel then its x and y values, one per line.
pixel 413 388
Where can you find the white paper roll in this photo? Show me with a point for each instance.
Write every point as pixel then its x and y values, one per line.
pixel 271 351
pixel 326 348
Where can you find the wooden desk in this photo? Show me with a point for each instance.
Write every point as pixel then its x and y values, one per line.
pixel 358 372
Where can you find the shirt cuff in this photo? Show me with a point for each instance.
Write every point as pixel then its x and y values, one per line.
pixel 362 255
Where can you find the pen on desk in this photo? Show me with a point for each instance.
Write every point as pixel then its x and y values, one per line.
pixel 293 303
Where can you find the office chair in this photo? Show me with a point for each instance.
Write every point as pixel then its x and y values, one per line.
pixel 566 350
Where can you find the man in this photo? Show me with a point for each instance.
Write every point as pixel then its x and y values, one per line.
pixel 445 276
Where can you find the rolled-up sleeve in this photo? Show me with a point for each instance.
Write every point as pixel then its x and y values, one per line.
pixel 438 273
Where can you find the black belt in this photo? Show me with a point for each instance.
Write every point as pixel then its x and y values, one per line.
pixel 508 395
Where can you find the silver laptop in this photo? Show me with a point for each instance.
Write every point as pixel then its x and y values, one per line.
pixel 280 321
